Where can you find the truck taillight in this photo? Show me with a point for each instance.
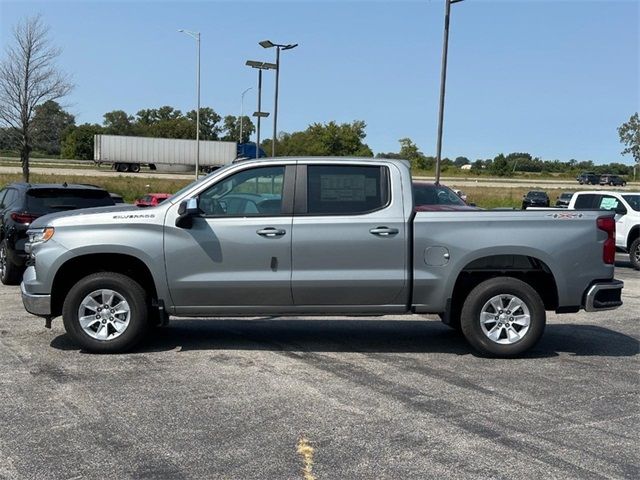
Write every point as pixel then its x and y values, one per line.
pixel 608 224
pixel 25 218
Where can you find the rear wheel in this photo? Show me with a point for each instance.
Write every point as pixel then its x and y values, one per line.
pixel 634 253
pixel 106 313
pixel 134 167
pixel 10 273
pixel 503 317
pixel 121 167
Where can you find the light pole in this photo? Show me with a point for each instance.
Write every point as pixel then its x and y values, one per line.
pixel 196 35
pixel 270 44
pixel 242 111
pixel 443 80
pixel 260 66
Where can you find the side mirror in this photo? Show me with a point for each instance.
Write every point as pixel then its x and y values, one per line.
pixel 472 204
pixel 186 211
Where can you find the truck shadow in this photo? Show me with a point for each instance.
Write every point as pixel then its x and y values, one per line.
pixel 380 336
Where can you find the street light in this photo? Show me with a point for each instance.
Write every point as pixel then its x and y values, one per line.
pixel 196 35
pixel 242 111
pixel 270 44
pixel 260 66
pixel 443 80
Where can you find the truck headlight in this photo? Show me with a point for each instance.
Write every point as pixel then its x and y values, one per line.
pixel 40 235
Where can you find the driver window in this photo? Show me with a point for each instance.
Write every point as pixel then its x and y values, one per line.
pixel 253 192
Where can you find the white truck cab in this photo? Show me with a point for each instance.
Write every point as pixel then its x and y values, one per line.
pixel 627 208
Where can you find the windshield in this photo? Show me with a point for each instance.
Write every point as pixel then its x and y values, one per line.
pixel 428 194
pixel 191 185
pixel 633 201
pixel 537 194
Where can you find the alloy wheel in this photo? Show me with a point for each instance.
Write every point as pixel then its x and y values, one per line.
pixel 104 314
pixel 505 319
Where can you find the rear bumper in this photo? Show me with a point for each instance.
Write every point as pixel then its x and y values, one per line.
pixel 36 304
pixel 603 296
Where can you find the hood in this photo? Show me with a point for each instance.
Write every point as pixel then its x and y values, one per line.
pixel 46 220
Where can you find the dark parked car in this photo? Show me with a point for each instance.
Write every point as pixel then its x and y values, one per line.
pixel 429 197
pixel 535 198
pixel 612 180
pixel 116 197
pixel 563 200
pixel 22 203
pixel 588 178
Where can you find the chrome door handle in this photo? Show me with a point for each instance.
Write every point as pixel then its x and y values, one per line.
pixel 271 232
pixel 383 231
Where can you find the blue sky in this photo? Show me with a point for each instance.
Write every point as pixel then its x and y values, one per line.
pixel 553 78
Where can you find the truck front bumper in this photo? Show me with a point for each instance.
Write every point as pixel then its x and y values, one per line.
pixel 34 303
pixel 603 296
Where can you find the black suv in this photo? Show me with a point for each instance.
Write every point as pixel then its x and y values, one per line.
pixel 22 203
pixel 535 198
pixel 588 178
pixel 612 180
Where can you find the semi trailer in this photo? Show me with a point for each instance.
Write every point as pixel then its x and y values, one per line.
pixel 129 153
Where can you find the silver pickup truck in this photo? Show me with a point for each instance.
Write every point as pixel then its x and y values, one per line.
pixel 316 236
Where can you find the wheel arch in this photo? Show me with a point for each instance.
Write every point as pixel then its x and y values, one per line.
pixel 527 267
pixel 633 234
pixel 72 270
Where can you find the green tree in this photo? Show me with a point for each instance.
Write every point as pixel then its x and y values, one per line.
pixel 231 129
pixel 460 161
pixel 330 139
pixel 209 120
pixel 499 166
pixel 49 121
pixel 118 122
pixel 630 136
pixel 77 142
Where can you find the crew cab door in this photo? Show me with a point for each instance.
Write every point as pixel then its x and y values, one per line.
pixel 349 236
pixel 237 251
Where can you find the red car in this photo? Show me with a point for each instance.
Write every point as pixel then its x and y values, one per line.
pixel 429 197
pixel 152 199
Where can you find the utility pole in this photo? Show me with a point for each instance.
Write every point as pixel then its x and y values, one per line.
pixel 443 81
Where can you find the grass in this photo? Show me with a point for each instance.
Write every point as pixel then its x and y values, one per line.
pixel 129 187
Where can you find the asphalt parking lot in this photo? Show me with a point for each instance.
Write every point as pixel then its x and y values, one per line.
pixel 376 398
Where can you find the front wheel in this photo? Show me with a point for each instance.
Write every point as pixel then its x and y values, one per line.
pixel 503 317
pixel 634 253
pixel 106 312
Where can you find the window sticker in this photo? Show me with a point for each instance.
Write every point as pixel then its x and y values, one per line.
pixel 342 188
pixel 608 203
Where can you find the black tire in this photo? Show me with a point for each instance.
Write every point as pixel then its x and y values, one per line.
pixel 10 273
pixel 125 287
pixel 122 167
pixel 634 253
pixel 481 295
pixel 134 167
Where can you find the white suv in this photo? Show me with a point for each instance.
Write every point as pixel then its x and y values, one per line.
pixel 627 208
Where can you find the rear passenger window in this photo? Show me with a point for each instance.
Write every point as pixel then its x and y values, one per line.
pixel 11 197
pixel 346 190
pixel 585 202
